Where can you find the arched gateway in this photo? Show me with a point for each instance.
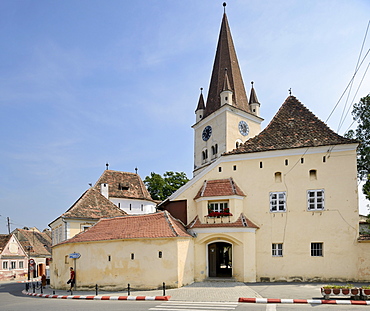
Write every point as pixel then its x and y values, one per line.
pixel 220 259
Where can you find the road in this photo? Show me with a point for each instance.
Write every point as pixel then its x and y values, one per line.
pixel 12 299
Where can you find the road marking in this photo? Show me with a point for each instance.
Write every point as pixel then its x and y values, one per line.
pixel 194 306
pixel 271 307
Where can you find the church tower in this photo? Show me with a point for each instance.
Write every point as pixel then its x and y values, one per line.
pixel 227 119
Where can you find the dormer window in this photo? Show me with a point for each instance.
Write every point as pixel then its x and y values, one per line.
pixel 123 186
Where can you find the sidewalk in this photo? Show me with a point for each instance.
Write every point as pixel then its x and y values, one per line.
pixel 217 292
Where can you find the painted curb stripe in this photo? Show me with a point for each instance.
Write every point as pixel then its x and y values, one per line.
pixel 139 298
pixel 305 301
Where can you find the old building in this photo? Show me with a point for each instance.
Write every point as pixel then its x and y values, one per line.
pixel 143 250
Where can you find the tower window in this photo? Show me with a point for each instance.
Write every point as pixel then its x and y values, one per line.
pixel 220 169
pixel 132 256
pixel 226 98
pixel 261 165
pixel 324 159
pixel 234 167
pixel 278 177
pixel 286 162
pixel 302 160
pixel 109 258
pixel 159 254
pixel 313 174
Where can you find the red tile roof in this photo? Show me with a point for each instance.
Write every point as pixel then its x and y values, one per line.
pixel 242 221
pixel 123 185
pixel 4 239
pixel 157 225
pixel 293 126
pixel 40 242
pixel 93 205
pixel 219 187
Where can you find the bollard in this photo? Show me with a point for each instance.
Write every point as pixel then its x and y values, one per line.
pixel 96 289
pixel 128 289
pixel 33 287
pixel 26 287
pixel 53 292
pixel 41 290
pixel 164 289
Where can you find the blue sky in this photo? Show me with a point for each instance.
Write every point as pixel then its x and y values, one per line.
pixel 83 83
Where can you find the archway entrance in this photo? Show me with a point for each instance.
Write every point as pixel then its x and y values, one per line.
pixel 220 260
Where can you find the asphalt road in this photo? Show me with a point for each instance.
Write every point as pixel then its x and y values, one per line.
pixel 12 299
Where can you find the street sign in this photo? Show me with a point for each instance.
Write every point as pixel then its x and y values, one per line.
pixel 75 255
pixel 32 262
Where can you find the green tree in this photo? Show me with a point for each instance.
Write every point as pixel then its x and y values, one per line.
pixel 361 114
pixel 160 187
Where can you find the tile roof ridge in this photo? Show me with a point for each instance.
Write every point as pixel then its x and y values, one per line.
pixel 167 216
pixel 193 222
pixel 204 188
pixel 232 185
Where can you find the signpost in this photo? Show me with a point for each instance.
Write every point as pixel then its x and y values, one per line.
pixel 75 256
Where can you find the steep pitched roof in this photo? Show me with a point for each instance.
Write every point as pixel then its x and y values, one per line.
pixel 219 187
pixel 253 97
pixel 201 105
pixel 93 205
pixel 226 59
pixel 157 225
pixel 242 222
pixel 4 239
pixel 40 242
pixel 123 185
pixel 293 126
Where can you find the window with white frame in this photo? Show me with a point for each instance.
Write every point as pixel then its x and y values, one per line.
pixel 13 265
pixel 5 265
pixel 277 249
pixel 218 207
pixel 315 199
pixel 20 264
pixel 277 201
pixel 317 249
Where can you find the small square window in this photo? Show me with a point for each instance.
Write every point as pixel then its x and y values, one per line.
pixel 316 249
pixel 277 249
pixel 315 200
pixel 277 201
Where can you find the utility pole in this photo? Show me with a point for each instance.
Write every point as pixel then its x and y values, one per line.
pixel 8 224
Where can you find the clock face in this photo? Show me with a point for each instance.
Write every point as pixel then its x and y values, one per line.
pixel 207 132
pixel 243 128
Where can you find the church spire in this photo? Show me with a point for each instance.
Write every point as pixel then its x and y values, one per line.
pixel 199 112
pixel 253 102
pixel 226 59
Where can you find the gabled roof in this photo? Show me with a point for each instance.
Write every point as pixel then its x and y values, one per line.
pixel 293 126
pixel 201 105
pixel 123 185
pixel 219 187
pixel 226 59
pixel 148 226
pixel 93 205
pixel 40 242
pixel 241 222
pixel 4 239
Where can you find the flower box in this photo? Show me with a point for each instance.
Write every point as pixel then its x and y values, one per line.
pixel 219 214
pixel 327 291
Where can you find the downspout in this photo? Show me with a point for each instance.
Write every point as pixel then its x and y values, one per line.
pixel 65 228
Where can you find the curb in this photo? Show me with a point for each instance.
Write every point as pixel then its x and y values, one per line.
pixel 305 301
pixel 163 298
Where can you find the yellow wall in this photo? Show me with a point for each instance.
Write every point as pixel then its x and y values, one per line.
pixel 336 226
pixel 145 271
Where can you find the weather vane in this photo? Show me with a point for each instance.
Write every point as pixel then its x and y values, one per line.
pixel 290 92
pixel 224 4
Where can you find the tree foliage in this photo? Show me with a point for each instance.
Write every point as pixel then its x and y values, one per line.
pixel 361 114
pixel 160 187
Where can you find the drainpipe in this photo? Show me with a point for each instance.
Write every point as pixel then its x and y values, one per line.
pixel 65 229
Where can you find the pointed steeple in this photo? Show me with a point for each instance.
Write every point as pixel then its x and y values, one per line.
pixel 253 102
pixel 226 59
pixel 199 112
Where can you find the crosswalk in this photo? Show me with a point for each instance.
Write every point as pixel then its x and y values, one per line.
pixel 194 306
